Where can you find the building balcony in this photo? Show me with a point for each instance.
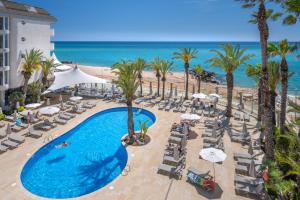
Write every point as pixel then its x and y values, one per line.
pixel 52 33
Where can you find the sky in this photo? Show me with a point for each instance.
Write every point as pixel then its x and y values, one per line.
pixel 157 20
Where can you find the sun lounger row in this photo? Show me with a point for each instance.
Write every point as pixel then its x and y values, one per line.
pixel 237 116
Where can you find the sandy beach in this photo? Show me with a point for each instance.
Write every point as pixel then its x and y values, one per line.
pixel 176 78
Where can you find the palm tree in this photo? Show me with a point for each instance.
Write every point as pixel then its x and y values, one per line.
pixel 229 60
pixel 48 67
pixel 255 73
pixel 31 63
pixel 198 74
pixel 186 55
pixel 274 79
pixel 282 49
pixel 165 68
pixel 141 66
pixel 127 75
pixel 156 65
pixel 260 18
pixel 293 11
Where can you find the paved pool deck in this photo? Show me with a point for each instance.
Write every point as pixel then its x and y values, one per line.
pixel 142 182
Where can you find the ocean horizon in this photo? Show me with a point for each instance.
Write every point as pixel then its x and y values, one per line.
pixel 106 53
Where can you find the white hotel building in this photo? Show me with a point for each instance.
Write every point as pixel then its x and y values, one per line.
pixel 22 27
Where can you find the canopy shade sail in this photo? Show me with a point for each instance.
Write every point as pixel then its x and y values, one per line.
pixel 71 78
pixel 60 67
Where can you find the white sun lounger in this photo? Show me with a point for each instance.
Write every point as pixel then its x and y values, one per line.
pixel 170 170
pixel 3 148
pixel 16 138
pixel 3 134
pixel 60 121
pixel 10 144
pixel 32 133
pixel 247 180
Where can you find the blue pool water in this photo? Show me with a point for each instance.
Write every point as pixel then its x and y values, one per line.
pixel 94 158
pixel 108 53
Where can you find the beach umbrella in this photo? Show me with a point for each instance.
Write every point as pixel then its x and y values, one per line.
pixel 17 104
pixel 241 101
pixel 48 102
pixel 171 90
pixel 250 148
pixel 200 96
pixel 217 89
pixel 252 170
pixel 176 153
pixel 190 117
pixel 193 89
pixel 33 105
pixel 60 99
pixel 50 110
pixel 150 88
pixel 213 155
pixel 8 129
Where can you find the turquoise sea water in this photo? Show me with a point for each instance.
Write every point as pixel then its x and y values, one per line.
pixel 94 158
pixel 108 53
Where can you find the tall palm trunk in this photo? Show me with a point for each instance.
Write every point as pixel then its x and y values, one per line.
pixel 25 87
pixel 158 83
pixel 273 106
pixel 130 121
pixel 260 102
pixel 284 89
pixel 267 117
pixel 199 85
pixel 229 79
pixel 186 68
pixel 163 89
pixel 141 84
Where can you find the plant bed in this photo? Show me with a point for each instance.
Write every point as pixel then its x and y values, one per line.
pixel 137 140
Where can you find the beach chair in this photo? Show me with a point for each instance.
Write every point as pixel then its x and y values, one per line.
pixel 174 140
pixel 64 117
pixel 219 145
pixel 246 117
pixel 212 140
pixel 42 126
pixel 3 148
pixel 59 121
pixel 183 109
pixel 249 191
pixel 2 124
pixel 237 116
pixel 10 118
pixel 244 170
pixel 170 160
pixel 201 179
pixel 88 106
pixel 16 128
pixel 170 171
pixel 10 144
pixel 178 134
pixel 247 180
pixel 3 134
pixel 16 138
pixel 69 114
pixel 247 162
pixel 32 133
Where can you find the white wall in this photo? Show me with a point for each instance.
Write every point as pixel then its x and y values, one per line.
pixel 37 35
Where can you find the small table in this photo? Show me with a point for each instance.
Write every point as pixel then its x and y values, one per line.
pixel 75 98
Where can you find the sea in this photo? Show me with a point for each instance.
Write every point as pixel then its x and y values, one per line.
pixel 107 53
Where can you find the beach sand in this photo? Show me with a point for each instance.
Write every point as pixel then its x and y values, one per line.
pixel 177 78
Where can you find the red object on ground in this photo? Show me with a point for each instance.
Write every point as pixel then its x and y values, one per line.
pixel 265 175
pixel 209 184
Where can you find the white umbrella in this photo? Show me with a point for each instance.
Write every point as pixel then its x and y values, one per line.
pixel 33 105
pixel 190 117
pixel 50 110
pixel 213 155
pixel 26 112
pixel 215 95
pixel 76 98
pixel 200 96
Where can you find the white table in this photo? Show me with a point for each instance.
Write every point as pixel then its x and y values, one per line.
pixel 76 98
pixel 50 110
pixel 33 105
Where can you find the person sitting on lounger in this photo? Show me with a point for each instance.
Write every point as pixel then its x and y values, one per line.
pixel 18 121
pixel 64 144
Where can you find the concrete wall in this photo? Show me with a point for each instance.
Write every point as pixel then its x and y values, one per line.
pixel 37 35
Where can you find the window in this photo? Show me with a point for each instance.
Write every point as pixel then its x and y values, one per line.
pixel 1 77
pixel 1 23
pixel 6 59
pixel 1 41
pixel 6 23
pixel 6 77
pixel 6 41
pixel 1 60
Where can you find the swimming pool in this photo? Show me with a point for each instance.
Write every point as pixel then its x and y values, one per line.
pixel 94 158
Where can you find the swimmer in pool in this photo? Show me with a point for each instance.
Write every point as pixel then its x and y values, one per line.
pixel 64 144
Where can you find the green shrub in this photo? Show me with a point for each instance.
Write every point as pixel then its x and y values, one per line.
pixel 2 117
pixel 14 98
pixel 21 109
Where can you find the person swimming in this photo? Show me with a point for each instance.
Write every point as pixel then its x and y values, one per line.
pixel 64 144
